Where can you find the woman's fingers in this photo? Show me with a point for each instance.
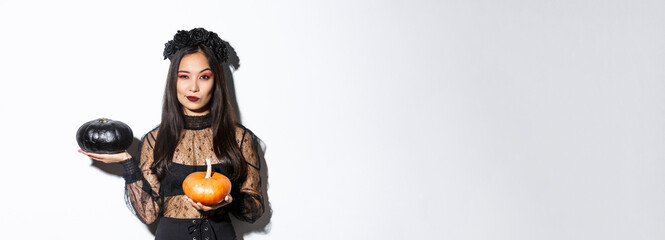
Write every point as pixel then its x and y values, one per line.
pixel 226 200
pixel 202 207
pixel 194 204
pixel 107 158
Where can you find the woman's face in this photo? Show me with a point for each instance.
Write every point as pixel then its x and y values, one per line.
pixel 194 84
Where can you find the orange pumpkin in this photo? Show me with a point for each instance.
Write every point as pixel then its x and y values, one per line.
pixel 206 188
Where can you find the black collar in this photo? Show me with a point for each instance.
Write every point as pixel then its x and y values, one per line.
pixel 197 122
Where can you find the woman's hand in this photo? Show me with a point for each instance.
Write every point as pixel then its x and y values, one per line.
pixel 108 157
pixel 202 207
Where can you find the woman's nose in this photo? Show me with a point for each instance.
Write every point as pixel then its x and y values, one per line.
pixel 194 87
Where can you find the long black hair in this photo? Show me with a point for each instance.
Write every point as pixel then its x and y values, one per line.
pixel 223 119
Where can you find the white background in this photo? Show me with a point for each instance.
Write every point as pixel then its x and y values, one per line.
pixel 382 119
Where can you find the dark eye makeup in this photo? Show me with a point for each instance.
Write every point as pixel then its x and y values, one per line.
pixel 205 75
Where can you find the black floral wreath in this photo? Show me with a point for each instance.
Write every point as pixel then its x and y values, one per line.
pixel 197 36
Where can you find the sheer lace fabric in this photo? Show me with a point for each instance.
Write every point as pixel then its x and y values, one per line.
pixel 149 198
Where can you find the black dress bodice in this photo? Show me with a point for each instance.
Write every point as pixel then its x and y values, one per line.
pixel 150 197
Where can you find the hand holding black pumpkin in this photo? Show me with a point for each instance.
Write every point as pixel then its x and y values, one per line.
pixel 104 136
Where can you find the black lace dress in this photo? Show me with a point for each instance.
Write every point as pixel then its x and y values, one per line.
pixel 151 199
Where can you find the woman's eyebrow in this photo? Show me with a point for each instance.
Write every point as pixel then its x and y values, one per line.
pixel 199 71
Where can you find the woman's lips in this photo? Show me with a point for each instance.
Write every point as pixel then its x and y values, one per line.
pixel 192 98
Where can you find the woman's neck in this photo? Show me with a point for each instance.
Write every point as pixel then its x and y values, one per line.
pixel 194 113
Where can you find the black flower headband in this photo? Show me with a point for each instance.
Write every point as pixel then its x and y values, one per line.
pixel 194 37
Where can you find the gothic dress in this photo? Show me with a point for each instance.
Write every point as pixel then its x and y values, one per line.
pixel 151 199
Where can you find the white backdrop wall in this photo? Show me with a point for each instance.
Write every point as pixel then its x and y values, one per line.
pixel 382 119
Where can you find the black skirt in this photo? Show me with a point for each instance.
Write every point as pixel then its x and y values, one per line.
pixel 216 227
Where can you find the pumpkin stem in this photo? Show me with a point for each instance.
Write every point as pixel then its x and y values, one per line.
pixel 209 171
pixel 104 120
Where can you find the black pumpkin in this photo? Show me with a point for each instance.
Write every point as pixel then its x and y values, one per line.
pixel 104 136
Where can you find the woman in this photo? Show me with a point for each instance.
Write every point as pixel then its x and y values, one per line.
pixel 197 124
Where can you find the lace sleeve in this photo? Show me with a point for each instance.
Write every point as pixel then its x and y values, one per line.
pixel 250 206
pixel 142 186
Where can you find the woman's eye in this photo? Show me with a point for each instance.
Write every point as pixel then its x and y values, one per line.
pixel 205 77
pixel 183 76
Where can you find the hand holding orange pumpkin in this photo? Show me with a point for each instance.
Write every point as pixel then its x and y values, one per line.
pixel 206 208
pixel 206 188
